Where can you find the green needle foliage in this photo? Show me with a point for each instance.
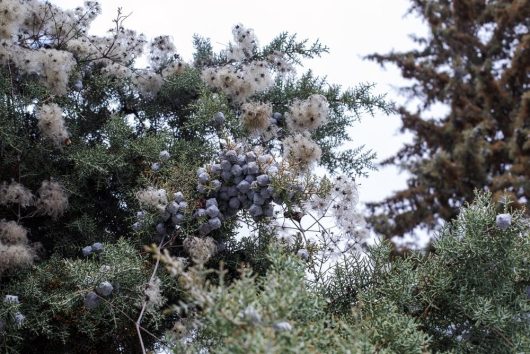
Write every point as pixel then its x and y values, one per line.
pixel 468 296
pixel 176 207
pixel 88 139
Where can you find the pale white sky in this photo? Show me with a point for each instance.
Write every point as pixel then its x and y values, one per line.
pixel 351 29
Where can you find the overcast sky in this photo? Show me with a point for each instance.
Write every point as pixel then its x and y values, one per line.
pixel 351 29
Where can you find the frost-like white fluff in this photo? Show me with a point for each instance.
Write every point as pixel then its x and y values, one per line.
pixel 51 123
pixel 12 233
pixel 301 151
pixel 15 193
pixel 174 68
pixel 57 66
pixel 255 117
pixel 148 83
pixel 239 82
pixel 161 51
pixel 53 200
pixel 309 114
pixel 245 44
pixel 15 257
pixel 200 249
pixel 117 70
pixel 151 197
pixel 153 294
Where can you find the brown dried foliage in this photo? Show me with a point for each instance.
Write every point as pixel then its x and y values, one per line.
pixel 477 62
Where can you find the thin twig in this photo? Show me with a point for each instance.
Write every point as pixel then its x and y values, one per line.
pixel 144 302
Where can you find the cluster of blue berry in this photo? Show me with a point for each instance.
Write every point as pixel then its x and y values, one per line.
pixel 174 213
pixel 95 248
pixel 93 298
pixel 240 181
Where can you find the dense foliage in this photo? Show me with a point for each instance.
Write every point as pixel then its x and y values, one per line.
pixel 474 61
pixel 176 207
pixel 99 157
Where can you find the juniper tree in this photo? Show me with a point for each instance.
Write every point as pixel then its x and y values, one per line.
pixel 99 157
pixel 469 296
pixel 474 61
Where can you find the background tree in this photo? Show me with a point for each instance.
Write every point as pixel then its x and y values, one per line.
pixel 475 60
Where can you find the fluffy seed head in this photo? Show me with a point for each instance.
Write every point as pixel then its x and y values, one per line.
pixel 154 294
pixel 151 197
pixel 12 233
pixel 15 257
pixel 255 116
pixel 308 114
pixel 301 150
pixel 15 193
pixel 200 249
pixel 53 199
pixel 51 123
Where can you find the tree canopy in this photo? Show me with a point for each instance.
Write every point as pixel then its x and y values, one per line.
pixel 211 206
pixel 474 61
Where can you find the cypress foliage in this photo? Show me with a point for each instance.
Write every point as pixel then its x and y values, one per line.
pixel 99 157
pixel 176 207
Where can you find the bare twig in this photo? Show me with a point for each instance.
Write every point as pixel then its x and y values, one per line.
pixel 144 302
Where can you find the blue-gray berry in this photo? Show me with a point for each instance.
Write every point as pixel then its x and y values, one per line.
pixel 178 218
pixel 205 229
pixel 155 166
pixel 251 156
pixel 252 168
pixel 214 223
pixel 226 175
pixel 503 221
pixel 243 186
pixel 236 170
pixel 201 188
pixel 97 247
pixel 104 289
pixel 179 197
pixel 303 253
pixel 255 210
pixel 92 300
pixel 211 201
pixel 204 178
pixel 161 229
pixel 226 165
pixel 234 203
pixel 199 213
pixel 137 226
pixel 215 169
pixel 87 251
pixel 258 199
pixel 231 156
pixel 216 184
pixel 241 159
pixel 19 319
pixel 218 120
pixel 212 211
pixel 263 180
pixel 172 208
